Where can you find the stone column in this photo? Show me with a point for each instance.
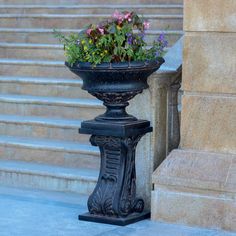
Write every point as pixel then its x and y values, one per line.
pixel 196 184
pixel 151 150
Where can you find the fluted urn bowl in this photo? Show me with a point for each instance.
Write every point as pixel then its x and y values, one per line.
pixel 115 84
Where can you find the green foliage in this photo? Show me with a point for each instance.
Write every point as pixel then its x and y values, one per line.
pixel 117 40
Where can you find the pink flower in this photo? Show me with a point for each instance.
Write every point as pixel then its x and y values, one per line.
pixel 101 30
pixel 88 31
pixel 128 16
pixel 118 16
pixel 146 25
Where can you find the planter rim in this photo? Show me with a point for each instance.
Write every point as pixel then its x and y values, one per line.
pixel 116 66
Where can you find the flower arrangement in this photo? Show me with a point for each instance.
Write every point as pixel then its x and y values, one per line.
pixel 119 39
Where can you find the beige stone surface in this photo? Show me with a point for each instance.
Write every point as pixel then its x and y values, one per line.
pixel 198 170
pixel 195 209
pixel 210 15
pixel 231 178
pixel 210 62
pixel 196 188
pixel 209 123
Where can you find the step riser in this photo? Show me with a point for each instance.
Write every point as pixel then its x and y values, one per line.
pixel 56 111
pixel 55 2
pixel 50 157
pixel 43 90
pixel 47 38
pixel 25 37
pixel 33 53
pixel 42 131
pixel 36 71
pixel 151 10
pixel 75 23
pixel 26 180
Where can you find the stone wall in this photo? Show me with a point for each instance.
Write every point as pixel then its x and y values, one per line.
pixel 196 184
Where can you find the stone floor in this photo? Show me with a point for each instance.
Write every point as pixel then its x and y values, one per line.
pixel 40 213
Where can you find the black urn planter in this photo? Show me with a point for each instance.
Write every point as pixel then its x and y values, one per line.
pixel 117 134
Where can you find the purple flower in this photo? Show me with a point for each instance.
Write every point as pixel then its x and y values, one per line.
pixel 141 35
pixel 162 40
pixel 157 54
pixel 129 38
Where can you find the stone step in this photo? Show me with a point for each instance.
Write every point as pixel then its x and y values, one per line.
pixel 54 107
pixel 38 37
pixel 52 87
pixel 73 2
pixel 47 177
pixel 32 51
pixel 160 21
pixel 41 127
pixel 92 9
pixel 47 151
pixel 34 68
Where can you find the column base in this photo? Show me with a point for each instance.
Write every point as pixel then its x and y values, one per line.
pixel 196 188
pixel 133 218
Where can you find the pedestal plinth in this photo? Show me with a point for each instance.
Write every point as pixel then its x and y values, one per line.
pixel 114 199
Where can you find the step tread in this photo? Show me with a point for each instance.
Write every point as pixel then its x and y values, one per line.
pixel 43 15
pixel 48 170
pixel 81 102
pixel 49 30
pixel 48 144
pixel 91 6
pixel 41 80
pixel 65 123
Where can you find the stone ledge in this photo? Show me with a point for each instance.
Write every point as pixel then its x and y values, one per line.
pixel 198 170
pixel 196 188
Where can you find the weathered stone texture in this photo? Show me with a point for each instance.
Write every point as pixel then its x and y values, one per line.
pixel 196 185
pixel 197 169
pixel 151 149
pixel 210 62
pixel 210 15
pixel 196 188
pixel 201 210
pixel 209 123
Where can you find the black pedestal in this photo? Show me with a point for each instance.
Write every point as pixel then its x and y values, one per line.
pixel 114 200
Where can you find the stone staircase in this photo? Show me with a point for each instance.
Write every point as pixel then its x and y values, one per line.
pixel 41 103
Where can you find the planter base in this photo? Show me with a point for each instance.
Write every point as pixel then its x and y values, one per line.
pixel 115 129
pixel 133 218
pixel 114 200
